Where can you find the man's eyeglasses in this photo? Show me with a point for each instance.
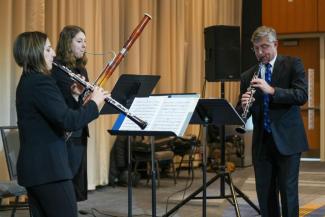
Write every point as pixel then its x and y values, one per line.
pixel 263 47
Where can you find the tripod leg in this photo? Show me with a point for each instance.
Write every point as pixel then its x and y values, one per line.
pixel 191 197
pixel 233 193
pixel 241 194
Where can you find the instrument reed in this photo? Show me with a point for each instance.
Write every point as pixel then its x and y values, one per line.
pixel 141 123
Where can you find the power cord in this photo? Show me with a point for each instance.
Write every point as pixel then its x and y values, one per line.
pixel 187 185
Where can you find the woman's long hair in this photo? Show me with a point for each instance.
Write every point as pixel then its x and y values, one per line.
pixel 64 52
pixel 28 52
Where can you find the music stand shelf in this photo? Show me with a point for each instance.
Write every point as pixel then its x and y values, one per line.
pixel 141 133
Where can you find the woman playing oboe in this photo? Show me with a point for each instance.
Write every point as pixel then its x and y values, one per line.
pixel 43 117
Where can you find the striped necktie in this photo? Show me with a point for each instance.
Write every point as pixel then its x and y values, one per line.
pixel 266 117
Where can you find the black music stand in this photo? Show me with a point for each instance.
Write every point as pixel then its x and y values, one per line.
pixel 152 135
pixel 125 90
pixel 128 87
pixel 160 124
pixel 217 112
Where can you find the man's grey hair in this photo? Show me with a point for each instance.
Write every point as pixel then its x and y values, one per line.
pixel 264 31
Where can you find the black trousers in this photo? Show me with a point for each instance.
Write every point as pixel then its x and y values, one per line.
pixel 77 151
pixel 80 180
pixel 53 200
pixel 276 173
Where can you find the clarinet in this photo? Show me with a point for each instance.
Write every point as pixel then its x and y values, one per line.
pixel 250 101
pixel 141 123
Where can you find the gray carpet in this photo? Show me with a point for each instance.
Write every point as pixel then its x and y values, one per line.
pixel 109 201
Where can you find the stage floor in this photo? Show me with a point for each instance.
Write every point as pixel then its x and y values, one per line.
pixel 109 201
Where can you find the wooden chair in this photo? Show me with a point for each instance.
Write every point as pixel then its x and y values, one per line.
pixel 185 146
pixel 141 152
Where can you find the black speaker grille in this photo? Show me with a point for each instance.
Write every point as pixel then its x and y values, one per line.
pixel 222 53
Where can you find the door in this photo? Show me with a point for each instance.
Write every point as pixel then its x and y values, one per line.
pixel 308 50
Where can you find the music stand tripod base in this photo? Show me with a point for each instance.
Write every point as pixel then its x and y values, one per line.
pixel 217 112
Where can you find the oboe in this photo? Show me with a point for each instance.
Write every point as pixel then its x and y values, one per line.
pixel 252 90
pixel 141 123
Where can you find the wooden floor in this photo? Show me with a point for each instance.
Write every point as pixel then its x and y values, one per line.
pixel 109 201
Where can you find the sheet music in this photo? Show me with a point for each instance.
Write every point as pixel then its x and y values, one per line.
pixel 162 113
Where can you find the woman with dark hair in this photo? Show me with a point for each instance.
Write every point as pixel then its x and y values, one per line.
pixel 70 51
pixel 43 117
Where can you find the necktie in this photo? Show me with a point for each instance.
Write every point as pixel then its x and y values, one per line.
pixel 266 117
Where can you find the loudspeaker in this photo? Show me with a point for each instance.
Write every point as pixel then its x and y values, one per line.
pixel 251 19
pixel 222 53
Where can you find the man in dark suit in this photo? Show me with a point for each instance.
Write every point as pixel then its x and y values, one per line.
pixel 278 136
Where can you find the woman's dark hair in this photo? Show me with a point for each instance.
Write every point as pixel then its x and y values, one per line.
pixel 63 49
pixel 28 52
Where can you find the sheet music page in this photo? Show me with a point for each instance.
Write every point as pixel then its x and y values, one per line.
pixel 144 108
pixel 174 115
pixel 162 113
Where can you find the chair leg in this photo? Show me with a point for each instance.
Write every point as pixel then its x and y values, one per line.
pixel 30 211
pixel 174 172
pixel 148 172
pixel 136 166
pixel 180 165
pixel 158 172
pixel 13 212
pixel 191 159
pixel 190 164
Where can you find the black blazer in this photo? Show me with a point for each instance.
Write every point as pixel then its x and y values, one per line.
pixel 291 91
pixel 64 83
pixel 77 143
pixel 43 117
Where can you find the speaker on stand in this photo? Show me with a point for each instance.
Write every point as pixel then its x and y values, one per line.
pixel 223 63
pixel 222 53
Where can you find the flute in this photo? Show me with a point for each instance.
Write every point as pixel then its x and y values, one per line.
pixel 141 123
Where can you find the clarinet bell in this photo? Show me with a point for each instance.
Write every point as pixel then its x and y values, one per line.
pixel 241 129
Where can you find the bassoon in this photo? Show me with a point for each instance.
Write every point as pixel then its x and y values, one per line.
pixel 111 66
